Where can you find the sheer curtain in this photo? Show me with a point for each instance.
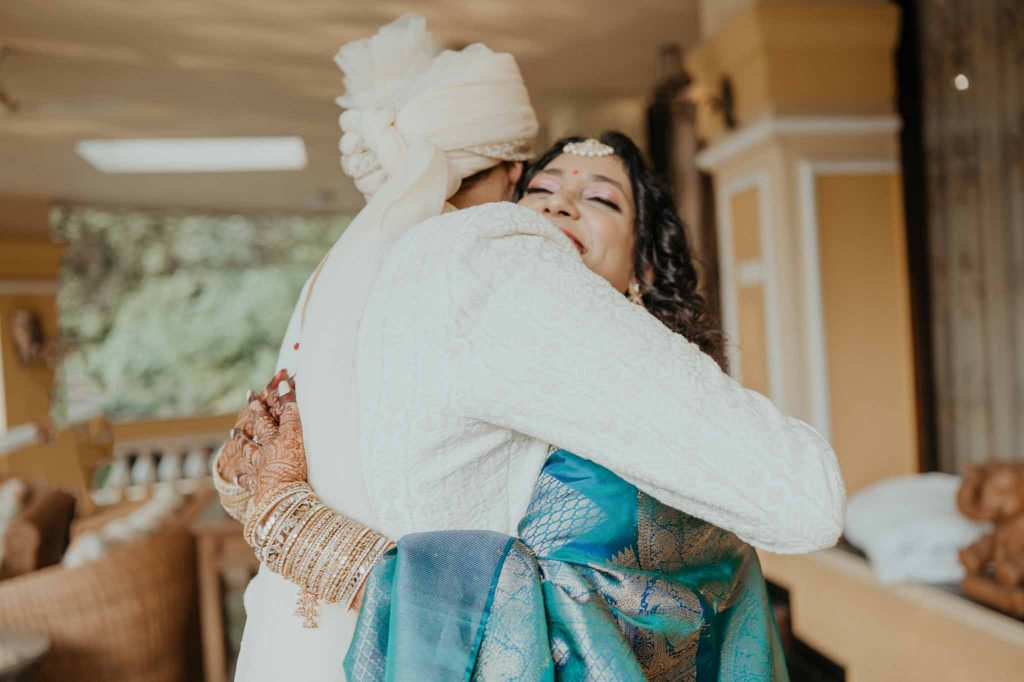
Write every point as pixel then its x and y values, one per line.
pixel 973 73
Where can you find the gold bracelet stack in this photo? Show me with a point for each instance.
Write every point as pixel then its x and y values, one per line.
pixel 301 539
pixel 234 498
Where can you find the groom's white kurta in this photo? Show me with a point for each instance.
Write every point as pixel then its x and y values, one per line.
pixel 484 339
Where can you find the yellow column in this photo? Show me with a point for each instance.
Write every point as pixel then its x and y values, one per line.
pixel 29 268
pixel 815 288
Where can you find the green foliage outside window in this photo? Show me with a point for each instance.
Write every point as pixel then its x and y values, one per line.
pixel 178 315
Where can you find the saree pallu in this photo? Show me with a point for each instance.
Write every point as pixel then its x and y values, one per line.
pixel 603 583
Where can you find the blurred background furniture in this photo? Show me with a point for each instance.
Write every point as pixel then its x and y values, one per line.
pixel 128 617
pixel 225 564
pixel 21 654
pixel 131 612
pixel 39 534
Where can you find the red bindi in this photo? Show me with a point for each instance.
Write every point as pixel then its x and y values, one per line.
pixel 575 172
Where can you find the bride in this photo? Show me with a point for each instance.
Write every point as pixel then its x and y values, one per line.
pixel 461 343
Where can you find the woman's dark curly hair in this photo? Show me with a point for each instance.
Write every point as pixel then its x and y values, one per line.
pixel 662 260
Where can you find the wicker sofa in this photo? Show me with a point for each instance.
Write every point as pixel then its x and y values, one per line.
pixel 130 616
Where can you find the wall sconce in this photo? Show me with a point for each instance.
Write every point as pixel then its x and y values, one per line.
pixel 27 335
pixel 723 103
pixel 672 78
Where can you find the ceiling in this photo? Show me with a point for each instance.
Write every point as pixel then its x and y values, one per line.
pixel 145 68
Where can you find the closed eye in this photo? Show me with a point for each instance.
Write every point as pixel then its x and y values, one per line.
pixel 535 190
pixel 607 202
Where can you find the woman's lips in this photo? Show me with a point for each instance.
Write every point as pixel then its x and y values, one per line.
pixel 579 245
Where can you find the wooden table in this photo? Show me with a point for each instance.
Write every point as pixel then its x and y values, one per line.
pixel 223 559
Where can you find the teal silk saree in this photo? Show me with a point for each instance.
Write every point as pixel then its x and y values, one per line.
pixel 603 583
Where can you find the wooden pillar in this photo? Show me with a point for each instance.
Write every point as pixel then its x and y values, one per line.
pixel 29 267
pixel 815 291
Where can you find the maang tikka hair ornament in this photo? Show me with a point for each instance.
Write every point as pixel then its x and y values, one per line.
pixel 589 147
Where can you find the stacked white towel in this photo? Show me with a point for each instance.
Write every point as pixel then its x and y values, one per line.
pixel 910 528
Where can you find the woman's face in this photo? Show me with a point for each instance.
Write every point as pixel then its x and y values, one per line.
pixel 590 200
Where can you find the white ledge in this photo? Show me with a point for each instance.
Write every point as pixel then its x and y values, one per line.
pixel 794 126
pixel 947 604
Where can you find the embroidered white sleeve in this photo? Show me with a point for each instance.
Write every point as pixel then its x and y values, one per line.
pixel 544 346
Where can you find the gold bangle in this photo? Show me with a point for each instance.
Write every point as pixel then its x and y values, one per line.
pixel 343 556
pixel 294 550
pixel 278 529
pixel 283 533
pixel 267 507
pixel 234 498
pixel 238 509
pixel 298 537
pixel 355 563
pixel 220 484
pixel 323 559
pixel 349 542
pixel 306 547
pixel 379 549
pixel 296 533
pixel 339 578
pixel 341 560
pixel 356 577
pixel 316 544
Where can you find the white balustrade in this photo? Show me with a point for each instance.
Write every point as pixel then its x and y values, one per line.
pixel 144 469
pixel 169 468
pixel 119 475
pixel 196 464
pixel 172 465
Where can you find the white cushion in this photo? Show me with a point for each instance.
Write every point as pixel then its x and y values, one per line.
pixel 12 498
pixel 134 526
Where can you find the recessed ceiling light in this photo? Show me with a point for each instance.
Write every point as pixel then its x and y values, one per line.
pixel 195 154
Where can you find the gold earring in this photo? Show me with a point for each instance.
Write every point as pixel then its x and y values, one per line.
pixel 633 293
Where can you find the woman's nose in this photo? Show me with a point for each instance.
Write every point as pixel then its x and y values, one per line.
pixel 559 204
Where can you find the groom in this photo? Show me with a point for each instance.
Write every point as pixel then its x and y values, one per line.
pixel 423 133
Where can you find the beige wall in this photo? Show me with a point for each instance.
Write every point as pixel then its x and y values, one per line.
pixel 715 14
pixel 866 305
pixel 23 217
pixel 589 115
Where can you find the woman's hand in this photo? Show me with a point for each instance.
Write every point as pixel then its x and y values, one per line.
pixel 276 455
pixel 268 447
pixel 230 461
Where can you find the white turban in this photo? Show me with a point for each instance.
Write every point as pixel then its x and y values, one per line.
pixel 471 105
pixel 416 124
